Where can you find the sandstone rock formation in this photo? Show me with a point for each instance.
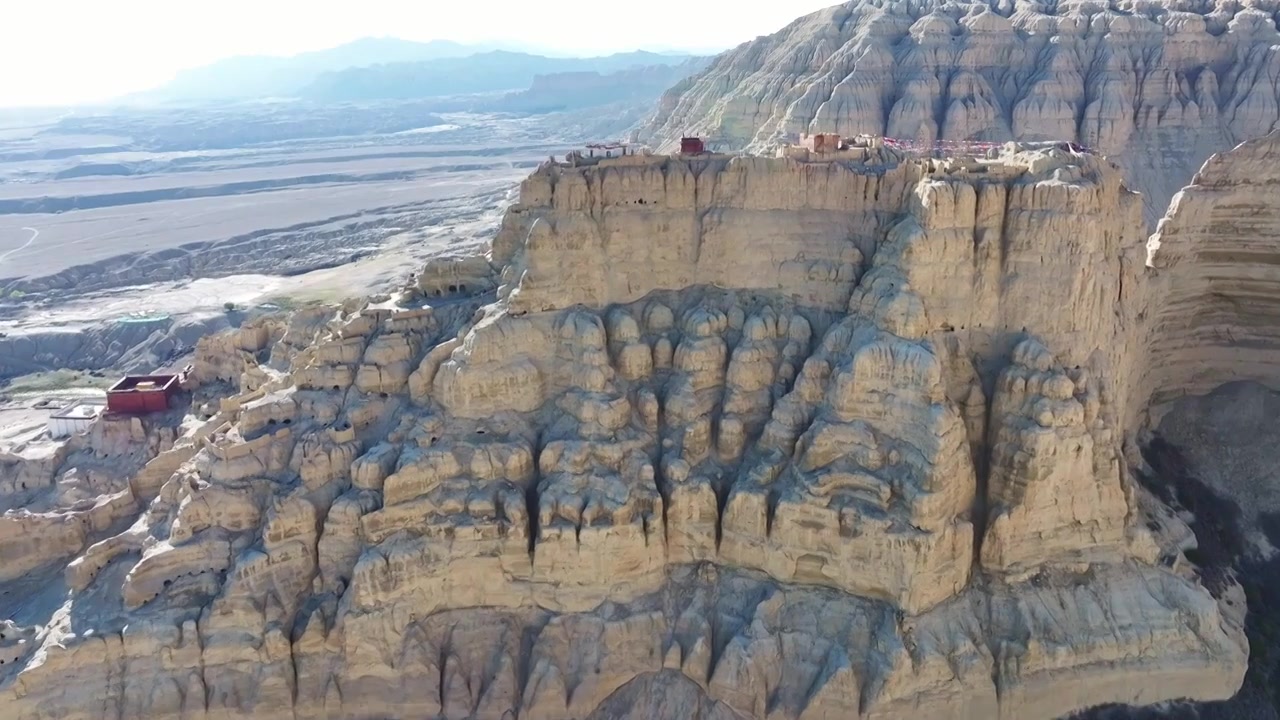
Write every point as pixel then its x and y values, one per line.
pixel 1215 254
pixel 1158 85
pixel 739 437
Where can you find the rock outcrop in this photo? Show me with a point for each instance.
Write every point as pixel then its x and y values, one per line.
pixel 1158 85
pixel 739 437
pixel 1215 253
pixel 88 487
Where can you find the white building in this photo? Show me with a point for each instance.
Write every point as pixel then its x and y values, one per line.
pixel 74 418
pixel 604 150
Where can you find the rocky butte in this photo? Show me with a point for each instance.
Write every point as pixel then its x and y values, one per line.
pixel 1157 85
pixel 730 437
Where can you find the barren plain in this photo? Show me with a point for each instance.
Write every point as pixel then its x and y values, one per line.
pixel 60 213
pixel 118 225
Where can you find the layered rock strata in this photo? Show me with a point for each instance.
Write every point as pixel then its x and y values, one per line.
pixel 786 439
pixel 1158 85
pixel 1215 254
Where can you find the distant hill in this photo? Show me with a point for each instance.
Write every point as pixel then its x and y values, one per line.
pixel 484 72
pixel 237 125
pixel 370 67
pixel 259 76
pixel 588 88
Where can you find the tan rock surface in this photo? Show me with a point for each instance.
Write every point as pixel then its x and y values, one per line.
pixel 869 469
pixel 1056 489
pixel 1157 85
pixel 1214 254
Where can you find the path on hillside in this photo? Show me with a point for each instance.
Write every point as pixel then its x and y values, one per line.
pixel 34 234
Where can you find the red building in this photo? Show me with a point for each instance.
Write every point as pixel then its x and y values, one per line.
pixel 692 146
pixel 141 394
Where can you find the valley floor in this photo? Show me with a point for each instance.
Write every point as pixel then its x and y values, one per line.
pixel 106 239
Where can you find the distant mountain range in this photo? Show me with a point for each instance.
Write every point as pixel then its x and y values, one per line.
pixel 480 73
pixel 574 90
pixel 262 76
pixel 385 68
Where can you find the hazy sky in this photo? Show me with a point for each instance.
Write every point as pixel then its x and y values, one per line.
pixel 60 51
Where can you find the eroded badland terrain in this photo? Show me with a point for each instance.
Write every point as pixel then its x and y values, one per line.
pixel 865 433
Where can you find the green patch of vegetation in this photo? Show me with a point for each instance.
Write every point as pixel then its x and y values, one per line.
pixel 290 303
pixel 16 295
pixel 58 380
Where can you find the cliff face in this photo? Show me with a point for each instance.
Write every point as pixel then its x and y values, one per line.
pixel 1215 253
pixel 1157 86
pixel 739 438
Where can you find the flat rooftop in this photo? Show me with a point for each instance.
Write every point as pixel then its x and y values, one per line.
pixel 80 410
pixel 143 383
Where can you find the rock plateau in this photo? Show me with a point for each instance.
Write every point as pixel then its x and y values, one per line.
pixel 723 437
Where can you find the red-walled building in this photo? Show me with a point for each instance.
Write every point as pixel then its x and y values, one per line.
pixel 692 146
pixel 141 394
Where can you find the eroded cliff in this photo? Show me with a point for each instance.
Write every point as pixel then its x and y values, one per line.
pixel 739 437
pixel 1159 85
pixel 1215 253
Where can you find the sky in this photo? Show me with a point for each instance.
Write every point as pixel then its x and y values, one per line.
pixel 55 52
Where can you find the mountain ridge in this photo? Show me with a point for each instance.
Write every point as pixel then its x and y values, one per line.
pixel 492 71
pixel 246 76
pixel 260 76
pixel 1157 86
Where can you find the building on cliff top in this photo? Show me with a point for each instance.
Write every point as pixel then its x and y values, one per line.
pixel 823 142
pixel 823 147
pixel 692 146
pixel 74 418
pixel 592 153
pixel 608 150
pixel 141 394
